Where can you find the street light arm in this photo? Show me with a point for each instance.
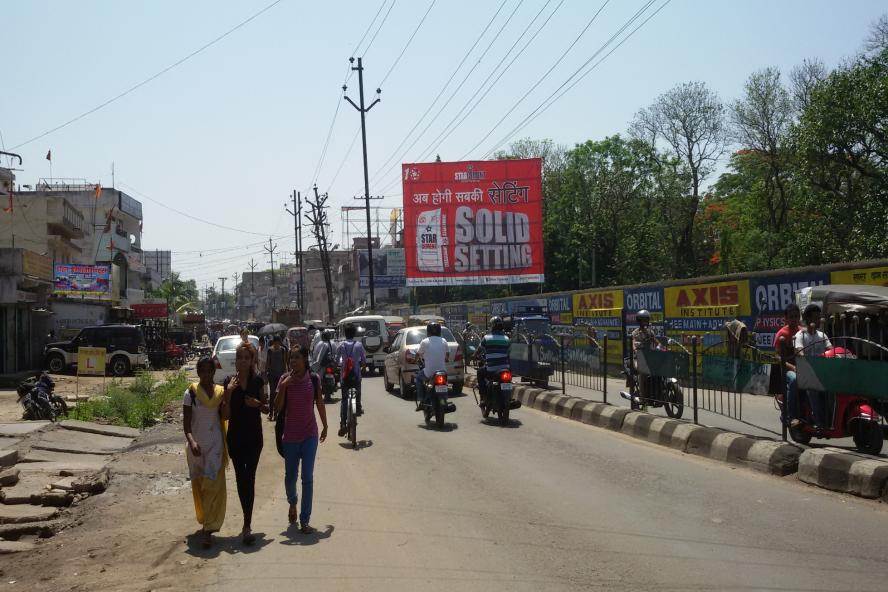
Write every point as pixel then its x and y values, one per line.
pixel 352 103
pixel 371 105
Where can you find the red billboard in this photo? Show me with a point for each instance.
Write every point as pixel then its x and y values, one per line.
pixel 475 222
pixel 150 310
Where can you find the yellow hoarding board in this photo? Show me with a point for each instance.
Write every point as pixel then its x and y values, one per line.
pixel 91 361
pixel 872 276
pixel 717 300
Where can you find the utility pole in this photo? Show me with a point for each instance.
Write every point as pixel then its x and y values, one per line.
pixel 296 212
pixel 253 266
pixel 270 249
pixel 363 111
pixel 236 298
pixel 224 305
pixel 317 216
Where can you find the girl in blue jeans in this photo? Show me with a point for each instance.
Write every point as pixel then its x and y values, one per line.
pixel 299 393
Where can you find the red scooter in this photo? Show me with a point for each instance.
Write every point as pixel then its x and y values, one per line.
pixel 848 415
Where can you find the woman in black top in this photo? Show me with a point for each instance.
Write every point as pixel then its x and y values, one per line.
pixel 245 397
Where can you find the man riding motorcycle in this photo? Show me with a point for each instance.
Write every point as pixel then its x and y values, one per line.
pixel 323 354
pixel 434 352
pixel 643 339
pixel 493 351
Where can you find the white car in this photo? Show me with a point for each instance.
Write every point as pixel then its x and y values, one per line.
pixel 224 355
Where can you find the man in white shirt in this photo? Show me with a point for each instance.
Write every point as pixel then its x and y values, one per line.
pixel 811 341
pixel 434 352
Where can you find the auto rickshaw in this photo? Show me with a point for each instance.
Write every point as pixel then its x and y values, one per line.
pixel 851 375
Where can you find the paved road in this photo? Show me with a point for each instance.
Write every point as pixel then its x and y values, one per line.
pixel 546 504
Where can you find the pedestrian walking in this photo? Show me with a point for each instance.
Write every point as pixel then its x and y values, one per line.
pixel 298 395
pixel 205 416
pixel 245 396
pixel 275 367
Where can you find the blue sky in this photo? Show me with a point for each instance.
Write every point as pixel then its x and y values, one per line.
pixel 227 135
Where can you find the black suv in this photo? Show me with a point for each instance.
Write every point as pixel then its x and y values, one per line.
pixel 124 346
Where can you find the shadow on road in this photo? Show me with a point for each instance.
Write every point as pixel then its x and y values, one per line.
pixel 448 427
pixel 495 423
pixel 224 544
pixel 362 444
pixel 294 537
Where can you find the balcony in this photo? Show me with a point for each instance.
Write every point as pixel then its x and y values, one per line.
pixel 64 220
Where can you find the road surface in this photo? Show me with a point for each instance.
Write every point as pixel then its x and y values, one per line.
pixel 545 504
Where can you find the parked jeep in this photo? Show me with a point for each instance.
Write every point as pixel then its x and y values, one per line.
pixel 124 346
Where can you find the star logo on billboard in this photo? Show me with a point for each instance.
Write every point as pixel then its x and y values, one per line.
pixel 411 174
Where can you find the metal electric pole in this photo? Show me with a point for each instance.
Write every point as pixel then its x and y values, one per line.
pixel 296 212
pixel 253 266
pixel 236 297
pixel 363 111
pixel 270 249
pixel 224 304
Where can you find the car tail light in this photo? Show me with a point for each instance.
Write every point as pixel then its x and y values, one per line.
pixel 440 379
pixel 506 376
pixel 329 369
pixel 216 362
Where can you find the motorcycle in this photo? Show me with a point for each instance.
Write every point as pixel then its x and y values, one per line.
pixel 38 399
pixel 436 404
pixel 329 381
pixel 496 397
pixel 662 392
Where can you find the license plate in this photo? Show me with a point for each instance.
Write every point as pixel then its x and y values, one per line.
pixel 441 388
pixel 506 386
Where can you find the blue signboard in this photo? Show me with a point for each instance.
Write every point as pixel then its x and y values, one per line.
pixel 649 299
pixel 771 295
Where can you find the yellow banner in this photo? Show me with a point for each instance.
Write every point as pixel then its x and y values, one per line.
pixel 872 276
pixel 91 361
pixel 598 304
pixel 717 300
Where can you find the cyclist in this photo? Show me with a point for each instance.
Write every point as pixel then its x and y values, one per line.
pixel 434 352
pixel 351 358
pixel 493 351
pixel 643 339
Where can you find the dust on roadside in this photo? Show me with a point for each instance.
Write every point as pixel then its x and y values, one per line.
pixel 135 536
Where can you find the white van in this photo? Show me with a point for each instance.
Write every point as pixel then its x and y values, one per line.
pixel 374 339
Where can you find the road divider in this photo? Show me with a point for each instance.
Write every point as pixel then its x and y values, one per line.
pixel 845 471
pixel 768 456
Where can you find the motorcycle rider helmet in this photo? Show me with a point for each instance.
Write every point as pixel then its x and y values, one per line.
pixel 643 315
pixel 496 324
pixel 433 329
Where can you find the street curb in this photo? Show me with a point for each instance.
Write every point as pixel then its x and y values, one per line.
pixel 843 471
pixel 767 456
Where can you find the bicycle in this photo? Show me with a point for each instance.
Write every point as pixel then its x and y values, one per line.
pixel 352 416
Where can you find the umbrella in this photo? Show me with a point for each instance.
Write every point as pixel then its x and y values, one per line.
pixel 272 328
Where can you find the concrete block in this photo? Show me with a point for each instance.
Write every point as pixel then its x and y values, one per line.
pixel 81 442
pixel 26 513
pixel 608 416
pixel 843 471
pixel 22 428
pixel 46 461
pixel 776 458
pixel 564 408
pixel 8 457
pixel 590 412
pixel 658 430
pixel 97 428
pixel 7 547
pixel 9 477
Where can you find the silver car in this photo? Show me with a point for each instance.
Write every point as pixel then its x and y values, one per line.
pixel 225 353
pixel 400 369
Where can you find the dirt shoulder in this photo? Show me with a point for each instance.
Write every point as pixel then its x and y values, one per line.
pixel 131 537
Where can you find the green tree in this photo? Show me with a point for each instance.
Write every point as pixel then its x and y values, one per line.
pixel 175 291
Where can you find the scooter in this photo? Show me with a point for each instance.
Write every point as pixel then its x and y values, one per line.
pixel 848 415
pixel 663 392
pixel 328 382
pixel 436 404
pixel 496 396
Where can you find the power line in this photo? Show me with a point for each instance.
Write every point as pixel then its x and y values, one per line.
pixel 409 41
pixel 541 79
pixel 181 213
pixel 378 29
pixel 154 76
pixel 370 26
pixel 493 40
pixel 550 100
pixel 478 96
pixel 441 92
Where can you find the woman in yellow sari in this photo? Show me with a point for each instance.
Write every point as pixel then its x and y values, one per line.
pixel 205 421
